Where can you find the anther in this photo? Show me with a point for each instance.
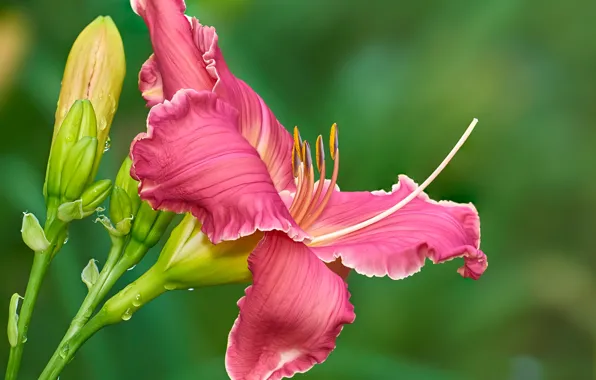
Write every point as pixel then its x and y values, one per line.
pixel 333 140
pixel 320 154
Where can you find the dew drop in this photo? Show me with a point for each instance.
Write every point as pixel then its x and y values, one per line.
pixel 138 301
pixel 24 339
pixel 108 144
pixel 64 351
pixel 65 239
pixel 132 267
pixel 191 289
pixel 169 286
pixel 127 314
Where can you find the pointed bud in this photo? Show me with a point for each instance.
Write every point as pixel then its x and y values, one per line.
pixel 147 229
pixel 33 234
pixel 90 274
pixel 120 207
pixel 128 184
pixel 94 70
pixel 89 202
pixel 80 122
pixel 190 260
pixel 77 168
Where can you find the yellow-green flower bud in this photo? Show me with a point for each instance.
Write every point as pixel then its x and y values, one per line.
pixel 190 260
pixel 128 184
pixel 94 70
pixel 32 233
pixel 89 202
pixel 79 122
pixel 13 320
pixel 78 168
pixel 90 274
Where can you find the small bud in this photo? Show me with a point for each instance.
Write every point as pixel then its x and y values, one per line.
pixel 128 184
pixel 150 224
pixel 33 234
pixel 80 122
pixel 120 209
pixel 13 320
pixel 190 260
pixel 90 274
pixel 89 202
pixel 78 168
pixel 148 227
pixel 94 70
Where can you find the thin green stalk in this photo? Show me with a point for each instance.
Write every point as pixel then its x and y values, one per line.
pixel 55 233
pixel 117 309
pixel 95 295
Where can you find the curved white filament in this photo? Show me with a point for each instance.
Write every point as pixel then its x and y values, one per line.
pixel 406 200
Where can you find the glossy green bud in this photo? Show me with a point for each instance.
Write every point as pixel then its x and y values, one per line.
pixel 90 274
pixel 33 234
pixel 121 210
pixel 13 320
pixel 147 229
pixel 79 122
pixel 128 184
pixel 89 202
pixel 78 168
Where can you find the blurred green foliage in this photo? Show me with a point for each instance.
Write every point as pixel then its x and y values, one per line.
pixel 402 79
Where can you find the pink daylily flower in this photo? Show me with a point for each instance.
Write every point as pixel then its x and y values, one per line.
pixel 214 148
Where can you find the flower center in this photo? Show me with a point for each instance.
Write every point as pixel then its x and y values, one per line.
pixel 306 206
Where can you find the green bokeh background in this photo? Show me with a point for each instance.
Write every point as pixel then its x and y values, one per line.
pixel 402 79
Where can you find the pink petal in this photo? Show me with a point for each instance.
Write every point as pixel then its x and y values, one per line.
pixel 257 123
pixel 151 83
pixel 291 315
pixel 398 245
pixel 193 159
pixel 179 61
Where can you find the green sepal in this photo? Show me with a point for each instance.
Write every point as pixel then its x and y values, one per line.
pixel 33 234
pixel 90 274
pixel 128 184
pixel 77 168
pixel 79 122
pixel 120 205
pixel 89 202
pixel 12 328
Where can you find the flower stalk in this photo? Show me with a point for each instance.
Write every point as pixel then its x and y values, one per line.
pixel 55 232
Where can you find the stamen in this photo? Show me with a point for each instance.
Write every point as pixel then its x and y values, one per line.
pixel 333 140
pixel 319 210
pixel 296 162
pixel 309 181
pixel 320 151
pixel 298 143
pixel 312 216
pixel 404 201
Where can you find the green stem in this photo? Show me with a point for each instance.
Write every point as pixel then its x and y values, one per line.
pixel 119 308
pixel 95 295
pixel 55 233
